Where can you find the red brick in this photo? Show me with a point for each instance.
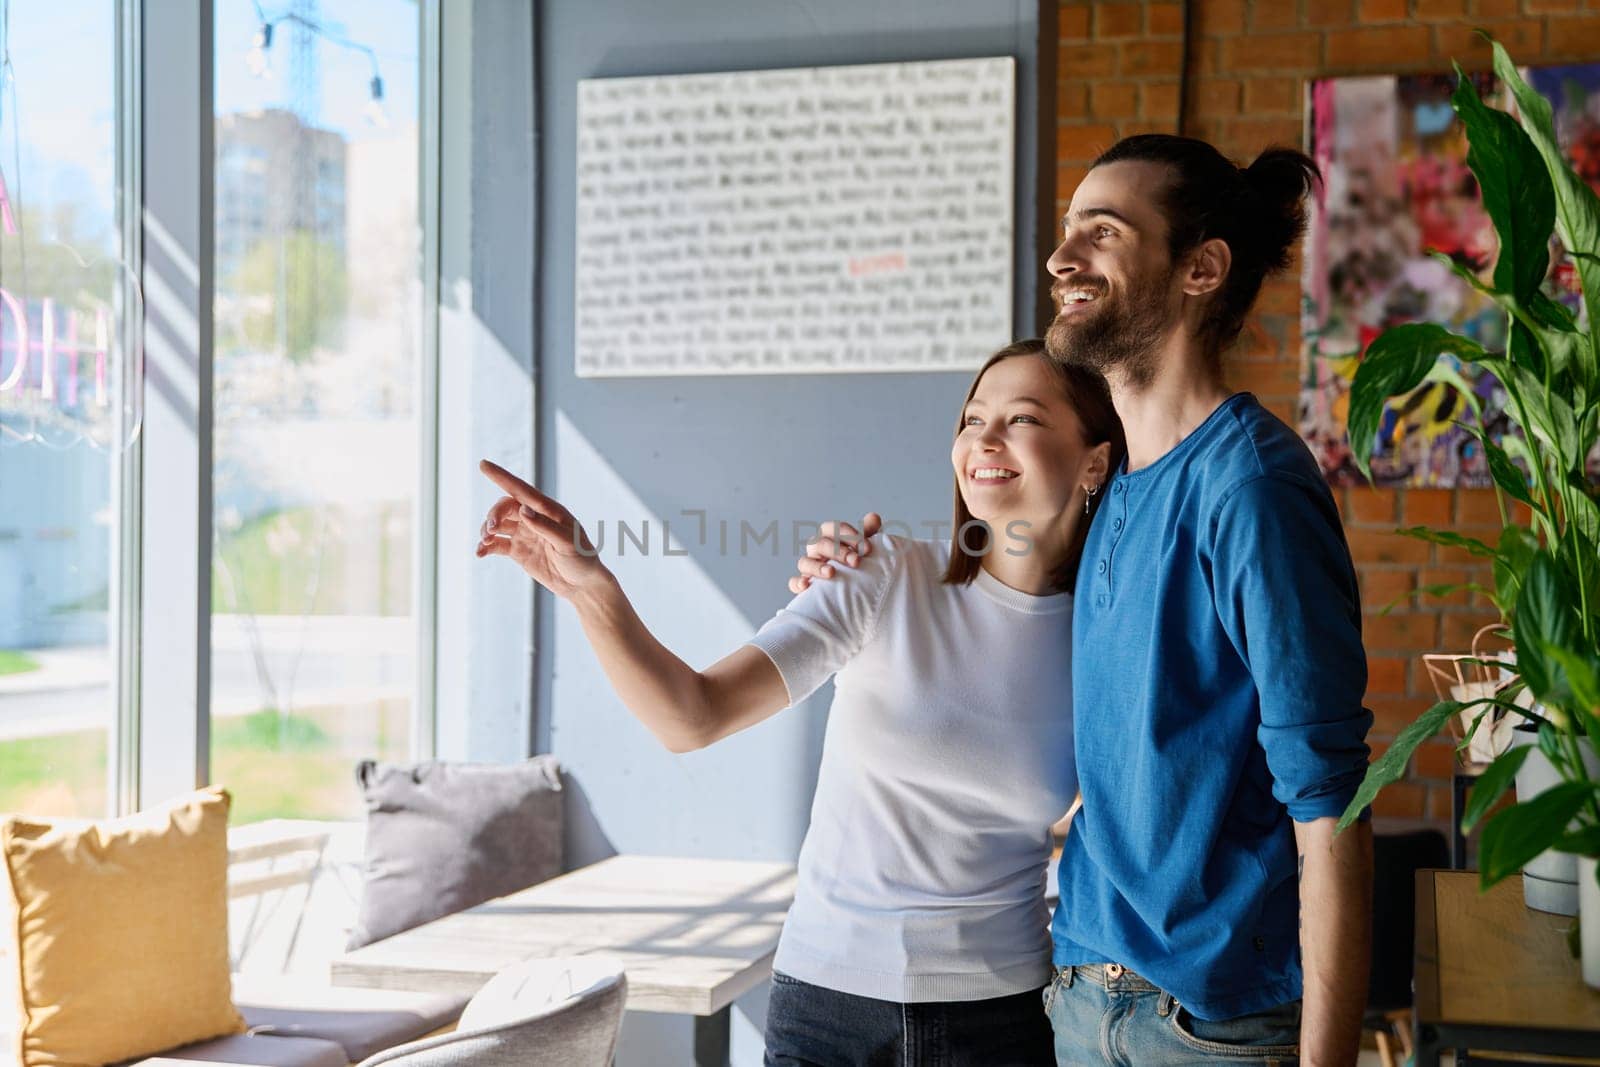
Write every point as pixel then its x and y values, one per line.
pixel 1383 11
pixel 1446 576
pixel 1272 95
pixel 1386 675
pixel 1253 134
pixel 1084 142
pixel 1416 632
pixel 1435 760
pixel 1387 589
pixel 1372 505
pixel 1439 807
pixel 1266 377
pixel 1540 7
pixel 1215 18
pixel 1383 546
pixel 1086 61
pixel 1281 297
pixel 1401 800
pixel 1273 51
pixel 1574 38
pixel 1130 129
pixel 1496 9
pixel 1118 20
pixel 1329 12
pixel 1206 56
pixel 1159 100
pixel 1072 99
pixel 1113 100
pixel 1460 557
pixel 1073 22
pixel 1273 15
pixel 1152 57
pixel 1427 507
pixel 1441 9
pixel 1390 715
pixel 1463 42
pixel 1378 47
pixel 1476 507
pixel 1460 628
pixel 1164 20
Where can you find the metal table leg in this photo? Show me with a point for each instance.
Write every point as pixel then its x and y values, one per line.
pixel 712 1034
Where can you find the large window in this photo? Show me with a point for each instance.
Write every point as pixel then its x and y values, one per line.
pixel 69 396
pixel 318 327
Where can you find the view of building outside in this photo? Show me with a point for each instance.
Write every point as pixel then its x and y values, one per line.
pixel 63 376
pixel 318 332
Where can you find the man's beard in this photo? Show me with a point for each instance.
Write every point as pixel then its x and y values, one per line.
pixel 1124 335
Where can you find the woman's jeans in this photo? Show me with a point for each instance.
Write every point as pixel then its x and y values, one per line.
pixel 808 1026
pixel 1104 1014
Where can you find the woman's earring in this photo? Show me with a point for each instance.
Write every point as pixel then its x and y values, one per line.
pixel 1088 496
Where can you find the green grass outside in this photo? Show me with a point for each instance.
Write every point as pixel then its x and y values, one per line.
pixel 13 661
pixel 299 561
pixel 299 766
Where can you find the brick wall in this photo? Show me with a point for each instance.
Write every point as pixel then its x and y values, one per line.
pixel 1124 68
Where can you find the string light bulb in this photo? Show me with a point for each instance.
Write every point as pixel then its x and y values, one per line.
pixel 375 112
pixel 256 59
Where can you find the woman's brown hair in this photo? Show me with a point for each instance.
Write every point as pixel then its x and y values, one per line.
pixel 1090 398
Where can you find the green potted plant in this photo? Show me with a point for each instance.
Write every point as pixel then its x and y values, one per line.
pixel 1547 571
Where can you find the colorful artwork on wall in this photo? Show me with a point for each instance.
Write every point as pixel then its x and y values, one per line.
pixel 1396 186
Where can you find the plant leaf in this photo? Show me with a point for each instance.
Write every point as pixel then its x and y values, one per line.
pixel 1545 616
pixel 1498 777
pixel 1583 674
pixel 1516 187
pixel 1518 834
pixel 1584 842
pixel 1439 591
pixel 1396 363
pixel 1549 313
pixel 1517 549
pixel 1584 513
pixel 1391 766
pixel 1512 481
pixel 1445 537
pixel 1577 206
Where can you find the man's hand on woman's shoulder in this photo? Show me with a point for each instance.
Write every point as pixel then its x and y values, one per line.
pixel 837 542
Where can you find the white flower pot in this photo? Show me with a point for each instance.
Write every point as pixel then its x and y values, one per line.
pixel 1589 920
pixel 1550 880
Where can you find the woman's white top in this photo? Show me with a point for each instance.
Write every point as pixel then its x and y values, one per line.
pixel 948 755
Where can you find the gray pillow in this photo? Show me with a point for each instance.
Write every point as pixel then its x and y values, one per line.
pixel 446 836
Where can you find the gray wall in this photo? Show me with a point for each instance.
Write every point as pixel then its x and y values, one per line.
pixel 755 449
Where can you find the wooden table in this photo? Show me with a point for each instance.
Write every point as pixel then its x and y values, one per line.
pixel 693 934
pixel 1492 975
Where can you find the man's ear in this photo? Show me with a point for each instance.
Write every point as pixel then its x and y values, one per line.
pixel 1208 267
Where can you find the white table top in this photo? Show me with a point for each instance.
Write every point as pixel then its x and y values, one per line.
pixel 693 934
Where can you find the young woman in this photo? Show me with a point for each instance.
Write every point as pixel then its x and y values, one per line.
pixel 919 927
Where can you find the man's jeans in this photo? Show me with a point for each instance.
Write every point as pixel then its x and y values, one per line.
pixel 1105 1014
pixel 809 1026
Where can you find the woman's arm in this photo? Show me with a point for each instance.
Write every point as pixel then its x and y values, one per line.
pixel 686 709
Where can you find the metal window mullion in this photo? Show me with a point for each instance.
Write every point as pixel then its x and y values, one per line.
pixel 122 791
pixel 425 570
pixel 177 200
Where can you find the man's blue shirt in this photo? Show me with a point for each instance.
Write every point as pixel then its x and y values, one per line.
pixel 1218 676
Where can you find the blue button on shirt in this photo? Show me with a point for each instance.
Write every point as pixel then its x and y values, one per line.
pixel 1218 675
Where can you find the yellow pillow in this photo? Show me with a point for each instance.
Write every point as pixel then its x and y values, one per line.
pixel 122 932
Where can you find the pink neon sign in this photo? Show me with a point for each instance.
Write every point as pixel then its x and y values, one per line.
pixel 58 345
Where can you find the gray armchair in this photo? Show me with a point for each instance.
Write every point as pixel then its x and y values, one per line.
pixel 541 1013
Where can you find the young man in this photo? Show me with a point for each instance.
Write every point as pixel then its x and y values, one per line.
pixel 1218 666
